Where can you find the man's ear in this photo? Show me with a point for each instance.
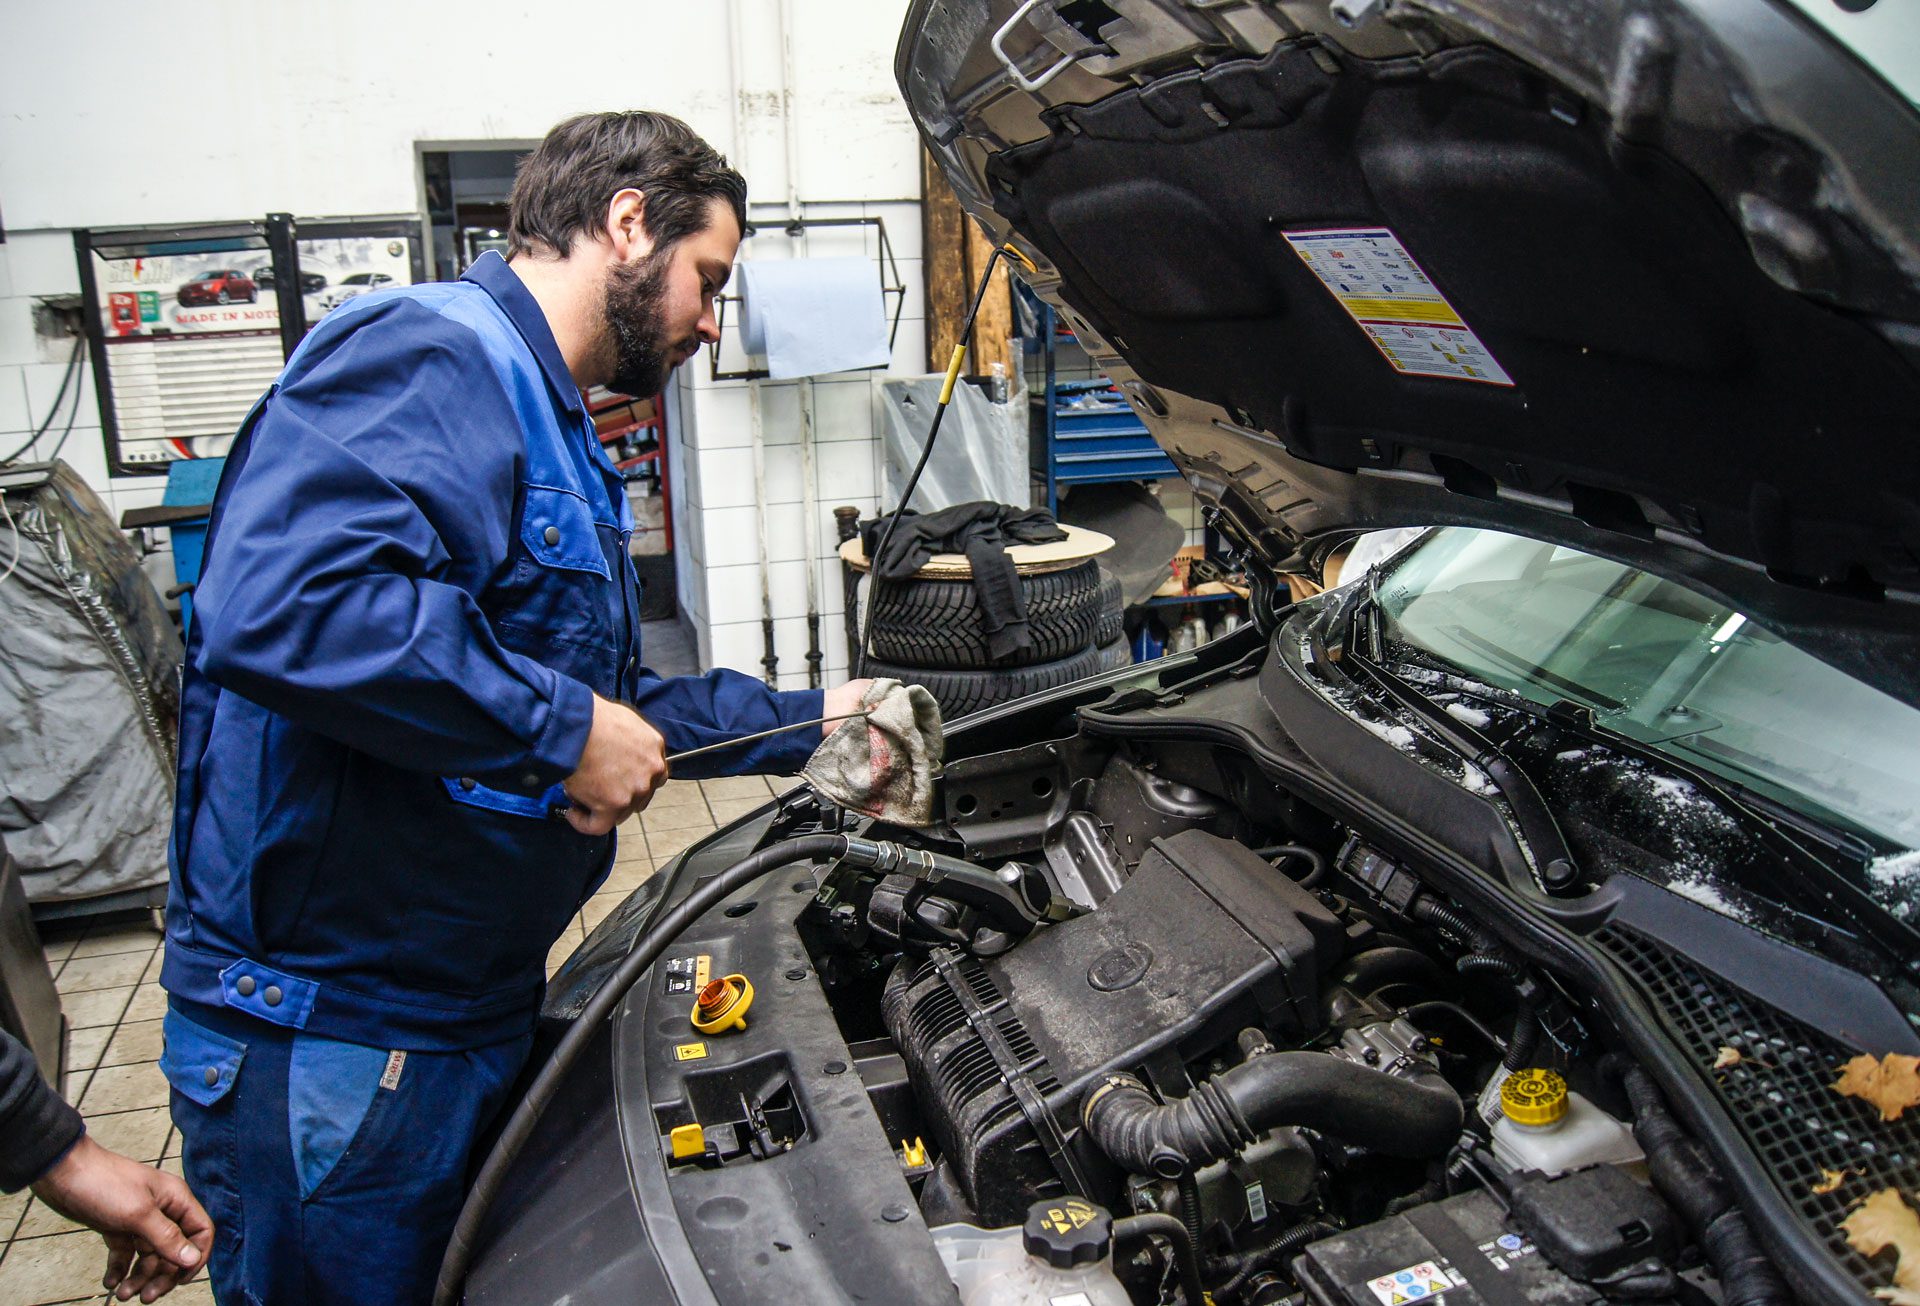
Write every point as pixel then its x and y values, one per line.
pixel 626 225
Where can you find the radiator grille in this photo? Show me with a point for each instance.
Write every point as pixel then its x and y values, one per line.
pixel 1781 1095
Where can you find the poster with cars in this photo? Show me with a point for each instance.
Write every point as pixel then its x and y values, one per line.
pixel 187 330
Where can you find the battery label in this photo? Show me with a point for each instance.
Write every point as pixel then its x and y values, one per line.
pixel 1387 295
pixel 1415 1283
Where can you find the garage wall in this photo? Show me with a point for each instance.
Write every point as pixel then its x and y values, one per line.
pixel 112 114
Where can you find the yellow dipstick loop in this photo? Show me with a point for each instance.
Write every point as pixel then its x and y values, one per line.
pixel 953 372
pixel 1019 257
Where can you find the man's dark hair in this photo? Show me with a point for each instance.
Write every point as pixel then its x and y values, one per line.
pixel 561 189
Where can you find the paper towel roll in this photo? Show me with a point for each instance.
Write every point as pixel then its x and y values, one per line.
pixel 810 316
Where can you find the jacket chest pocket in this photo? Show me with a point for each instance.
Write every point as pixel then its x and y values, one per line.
pixel 561 604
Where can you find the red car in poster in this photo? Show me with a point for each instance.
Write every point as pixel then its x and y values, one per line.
pixel 223 286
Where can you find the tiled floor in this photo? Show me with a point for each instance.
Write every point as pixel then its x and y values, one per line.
pixel 106 973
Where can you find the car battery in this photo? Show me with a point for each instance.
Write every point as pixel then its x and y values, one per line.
pixel 1460 1250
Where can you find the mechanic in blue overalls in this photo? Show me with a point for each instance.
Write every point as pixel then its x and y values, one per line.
pixel 405 738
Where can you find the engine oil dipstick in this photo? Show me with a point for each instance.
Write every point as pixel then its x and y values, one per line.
pixel 722 1005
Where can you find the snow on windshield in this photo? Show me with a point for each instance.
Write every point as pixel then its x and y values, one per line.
pixel 1894 882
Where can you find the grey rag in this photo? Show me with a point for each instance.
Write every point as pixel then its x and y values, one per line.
pixel 885 765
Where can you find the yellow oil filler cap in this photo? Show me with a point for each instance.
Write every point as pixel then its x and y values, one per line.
pixel 722 1005
pixel 1534 1097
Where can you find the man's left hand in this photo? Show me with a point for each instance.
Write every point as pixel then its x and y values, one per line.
pixel 842 700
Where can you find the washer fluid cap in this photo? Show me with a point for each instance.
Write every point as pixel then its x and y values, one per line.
pixel 1534 1097
pixel 1068 1231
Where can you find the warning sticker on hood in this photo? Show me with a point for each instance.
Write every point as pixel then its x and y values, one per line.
pixel 1390 298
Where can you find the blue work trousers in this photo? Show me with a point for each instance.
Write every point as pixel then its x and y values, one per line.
pixel 333 1172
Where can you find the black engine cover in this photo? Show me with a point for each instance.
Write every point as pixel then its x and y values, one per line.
pixel 1204 940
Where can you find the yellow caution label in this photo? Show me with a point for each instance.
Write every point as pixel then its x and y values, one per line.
pixel 1395 304
pixel 690 1052
pixel 1069 1215
pixel 702 971
pixel 686 1141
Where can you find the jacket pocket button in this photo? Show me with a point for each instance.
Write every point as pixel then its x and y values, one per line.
pixel 468 783
pixel 244 986
pixel 553 535
pixel 272 996
pixel 530 779
pixel 210 1076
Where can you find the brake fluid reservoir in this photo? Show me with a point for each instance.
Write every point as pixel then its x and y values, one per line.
pixel 1545 1126
pixel 1066 1247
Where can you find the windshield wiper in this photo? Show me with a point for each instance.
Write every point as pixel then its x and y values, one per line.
pixel 1538 829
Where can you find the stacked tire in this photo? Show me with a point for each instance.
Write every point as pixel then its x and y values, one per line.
pixel 929 632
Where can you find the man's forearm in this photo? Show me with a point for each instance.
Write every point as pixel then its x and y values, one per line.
pixel 37 1128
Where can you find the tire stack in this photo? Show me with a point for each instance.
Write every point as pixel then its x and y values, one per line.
pixel 928 632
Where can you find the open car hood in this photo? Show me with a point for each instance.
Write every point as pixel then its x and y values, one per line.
pixel 1638 277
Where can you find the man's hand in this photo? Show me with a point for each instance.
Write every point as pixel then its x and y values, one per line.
pixel 157 1234
pixel 624 761
pixel 842 700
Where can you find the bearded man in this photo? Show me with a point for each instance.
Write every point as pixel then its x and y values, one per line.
pixel 414 711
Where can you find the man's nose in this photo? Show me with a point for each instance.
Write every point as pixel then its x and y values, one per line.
pixel 708 327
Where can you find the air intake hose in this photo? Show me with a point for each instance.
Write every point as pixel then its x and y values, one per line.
pixel 1687 1177
pixel 1410 1114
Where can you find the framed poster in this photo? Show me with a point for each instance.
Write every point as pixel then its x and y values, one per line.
pixel 186 326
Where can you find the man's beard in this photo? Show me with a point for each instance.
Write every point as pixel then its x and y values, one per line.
pixel 636 325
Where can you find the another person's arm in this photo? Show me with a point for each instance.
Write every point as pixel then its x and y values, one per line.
pixel 156 1233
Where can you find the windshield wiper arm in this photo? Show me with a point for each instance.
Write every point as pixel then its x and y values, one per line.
pixel 1541 832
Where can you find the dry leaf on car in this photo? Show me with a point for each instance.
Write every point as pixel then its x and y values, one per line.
pixel 1897 1296
pixel 1728 1059
pixel 1891 1083
pixel 1885 1220
pixel 1829 1180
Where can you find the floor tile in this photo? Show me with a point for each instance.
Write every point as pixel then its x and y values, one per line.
pixel 196 1293
pixel 133 1041
pixel 175 1144
pixel 11 1206
pixel 677 793
pixel 141 1135
pixel 152 973
pixel 124 1088
pixel 728 810
pixel 95 1007
pixel 42 1220
pixel 57 950
pixel 84 1046
pixel 735 786
pixel 684 817
pixel 149 1002
pixel 628 875
pixel 114 971
pixel 563 947
pixel 105 939
pixel 57 1269
pixel 598 906
pixel 662 844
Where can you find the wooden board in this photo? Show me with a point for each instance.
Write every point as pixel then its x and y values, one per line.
pixel 1028 559
pixel 955 252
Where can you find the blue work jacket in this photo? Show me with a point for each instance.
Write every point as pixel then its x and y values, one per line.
pixel 416 579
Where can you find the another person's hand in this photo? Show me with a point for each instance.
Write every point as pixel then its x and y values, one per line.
pixel 157 1234
pixel 624 762
pixel 842 700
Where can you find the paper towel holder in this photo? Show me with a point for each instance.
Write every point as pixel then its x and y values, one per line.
pixel 890 284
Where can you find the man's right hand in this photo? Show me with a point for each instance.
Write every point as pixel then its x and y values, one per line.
pixel 624 761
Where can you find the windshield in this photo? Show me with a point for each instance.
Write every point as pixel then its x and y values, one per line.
pixel 1664 666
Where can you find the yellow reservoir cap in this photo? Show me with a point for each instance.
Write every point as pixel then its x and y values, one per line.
pixel 722 1005
pixel 1534 1097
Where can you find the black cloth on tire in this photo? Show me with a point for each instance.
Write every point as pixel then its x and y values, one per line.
pixel 961 692
pixel 982 531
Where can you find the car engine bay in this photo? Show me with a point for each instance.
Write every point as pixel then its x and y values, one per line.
pixel 1168 1003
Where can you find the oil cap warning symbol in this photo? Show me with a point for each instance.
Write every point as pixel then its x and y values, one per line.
pixel 1066 1232
pixel 1415 1283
